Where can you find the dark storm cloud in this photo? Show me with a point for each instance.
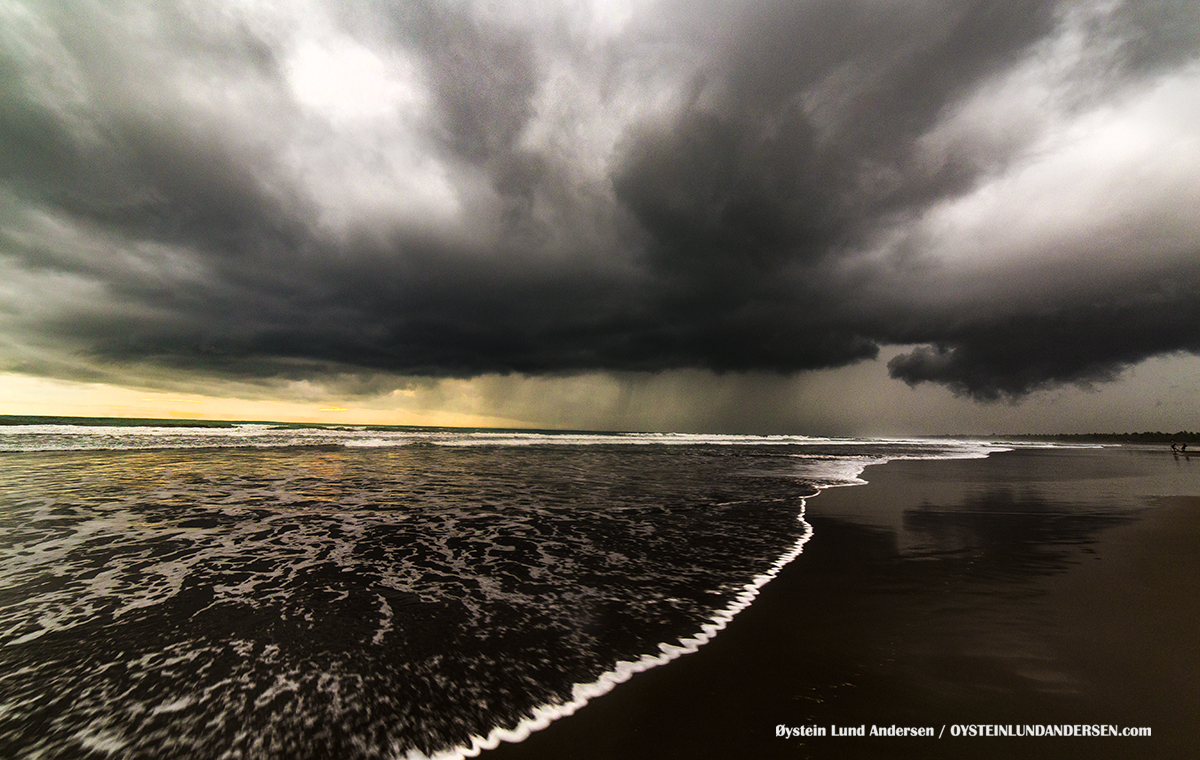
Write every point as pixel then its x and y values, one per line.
pixel 179 191
pixel 1158 33
pixel 1085 344
pixel 485 79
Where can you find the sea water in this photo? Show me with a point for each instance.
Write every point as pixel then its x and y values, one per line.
pixel 264 591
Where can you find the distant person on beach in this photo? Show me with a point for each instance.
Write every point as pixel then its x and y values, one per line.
pixel 1173 448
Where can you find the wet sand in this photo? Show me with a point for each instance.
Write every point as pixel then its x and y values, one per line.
pixel 1033 587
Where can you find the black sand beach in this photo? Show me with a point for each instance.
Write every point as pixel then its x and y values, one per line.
pixel 1032 588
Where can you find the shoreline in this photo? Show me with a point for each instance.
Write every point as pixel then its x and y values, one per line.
pixel 943 592
pixel 584 693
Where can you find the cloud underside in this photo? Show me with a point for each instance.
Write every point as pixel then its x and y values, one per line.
pixel 448 191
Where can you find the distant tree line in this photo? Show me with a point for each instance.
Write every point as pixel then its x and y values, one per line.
pixel 1182 436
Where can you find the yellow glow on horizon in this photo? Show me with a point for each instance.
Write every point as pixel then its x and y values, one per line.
pixel 28 395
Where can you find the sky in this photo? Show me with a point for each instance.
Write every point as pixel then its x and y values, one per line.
pixel 806 216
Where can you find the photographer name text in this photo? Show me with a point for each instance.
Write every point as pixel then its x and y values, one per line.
pixel 961 730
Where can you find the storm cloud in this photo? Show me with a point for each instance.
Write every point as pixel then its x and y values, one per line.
pixel 447 189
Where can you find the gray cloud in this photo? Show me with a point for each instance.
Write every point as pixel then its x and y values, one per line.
pixel 451 190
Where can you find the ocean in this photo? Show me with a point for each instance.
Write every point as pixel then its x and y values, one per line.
pixel 271 591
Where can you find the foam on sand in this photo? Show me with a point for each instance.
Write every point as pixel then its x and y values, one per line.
pixel 581 694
